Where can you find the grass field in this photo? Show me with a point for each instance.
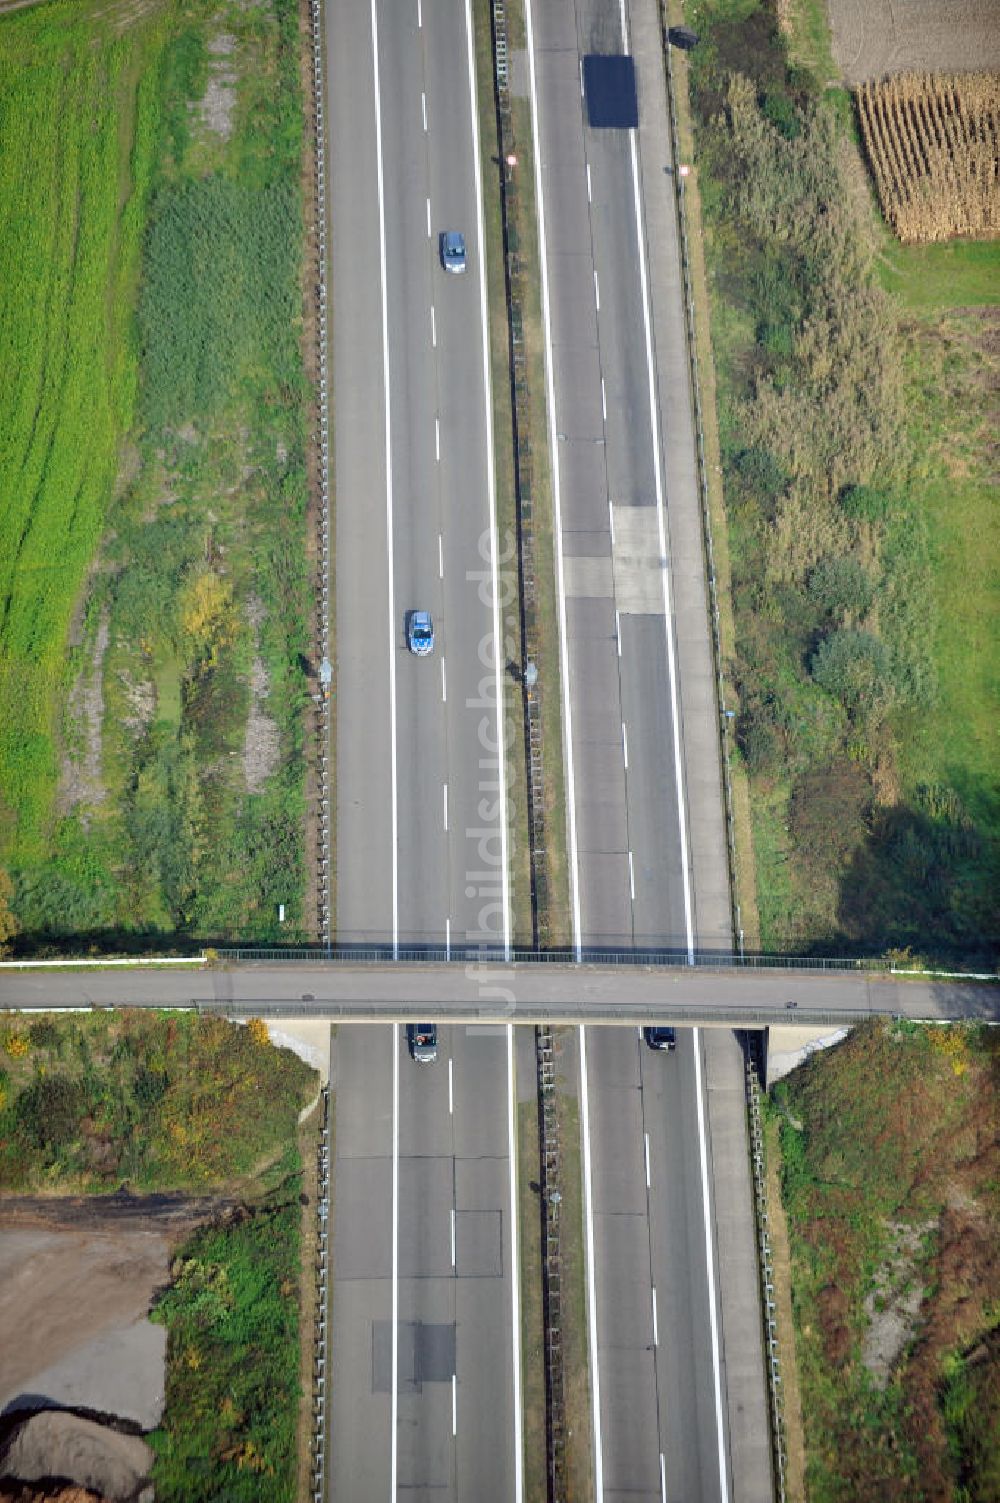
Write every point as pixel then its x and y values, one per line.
pixel 152 759
pixel 78 121
pixel 890 1195
pixel 934 278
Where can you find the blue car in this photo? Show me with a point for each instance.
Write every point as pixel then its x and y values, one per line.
pixel 453 251
pixel 420 633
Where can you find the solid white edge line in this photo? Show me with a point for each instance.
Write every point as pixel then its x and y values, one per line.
pixel 656 1332
pixel 662 527
pixel 567 715
pixel 646 1146
pixel 451 1084
pixel 515 1264
pixel 588 1207
pixel 394 1403
pixel 388 489
pixel 710 1260
pixel 491 488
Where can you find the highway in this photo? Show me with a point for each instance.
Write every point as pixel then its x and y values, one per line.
pixel 424 1257
pixel 425 1396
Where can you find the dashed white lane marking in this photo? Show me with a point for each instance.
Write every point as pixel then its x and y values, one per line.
pixel 454 1403
pixel 437 439
pixel 646 1155
pixel 423 108
pixel 581 78
pixel 663 1479
pixel 597 291
pixel 453 1237
pixel 434 328
pixel 618 631
pixel 604 401
pixel 444 684
pixel 589 194
pixel 656 1334
pixel 611 520
pixel 447 951
pixel 440 557
pixel 428 219
pixel 631 876
pixel 451 1079
pixel 446 806
pixel 420 14
pixel 625 745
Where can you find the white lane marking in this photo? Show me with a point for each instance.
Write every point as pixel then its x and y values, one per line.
pixel 434 328
pixel 452 1235
pixel 515 1274
pixel 498 653
pixel 590 197
pixel 588 1208
pixel 710 1261
pixel 581 78
pixel 437 439
pixel 447 948
pixel 388 509
pixel 597 291
pixel 394 1404
pixel 440 557
pixel 444 684
pixel 604 401
pixel 646 1145
pixel 618 631
pixel 428 219
pixel 420 14
pixel 663 1479
pixel 423 108
pixel 446 806
pixel 550 398
pixel 625 745
pixel 656 1329
pixel 454 1403
pixel 661 523
pixel 451 1078
pixel 611 520
pixel 631 876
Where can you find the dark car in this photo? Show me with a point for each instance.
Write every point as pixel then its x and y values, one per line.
pixel 420 633
pixel 660 1038
pixel 453 251
pixel 423 1041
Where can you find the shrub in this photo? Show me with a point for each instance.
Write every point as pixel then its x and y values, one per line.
pixel 853 667
pixel 50 1109
pixel 841 587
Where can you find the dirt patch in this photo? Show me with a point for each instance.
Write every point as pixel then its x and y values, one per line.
pixel 140 696
pixel 872 38
pixel 63 1445
pixel 893 1306
pixel 80 777
pixel 77 1278
pixel 262 742
pixel 218 106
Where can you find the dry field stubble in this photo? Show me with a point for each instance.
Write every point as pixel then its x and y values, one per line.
pixel 932 141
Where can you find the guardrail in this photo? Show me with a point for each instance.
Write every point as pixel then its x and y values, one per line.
pixel 459 955
pixel 772 1359
pixel 318 1474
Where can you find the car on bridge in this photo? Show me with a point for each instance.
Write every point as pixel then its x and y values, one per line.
pixel 660 1038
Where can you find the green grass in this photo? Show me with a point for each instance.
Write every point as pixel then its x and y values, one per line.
pixel 196 465
pixel 160 1100
pixel 532 1317
pixel 232 1390
pixel 77 117
pixel 935 278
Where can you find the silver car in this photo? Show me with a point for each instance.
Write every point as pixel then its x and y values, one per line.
pixel 453 250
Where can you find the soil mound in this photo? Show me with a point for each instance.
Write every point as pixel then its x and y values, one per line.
pixel 58 1446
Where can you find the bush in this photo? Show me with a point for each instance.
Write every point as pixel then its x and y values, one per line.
pixel 853 667
pixel 49 1111
pixel 841 587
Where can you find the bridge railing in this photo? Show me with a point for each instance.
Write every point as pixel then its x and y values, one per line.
pixel 463 955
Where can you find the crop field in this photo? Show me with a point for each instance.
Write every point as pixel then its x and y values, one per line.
pixel 152 472
pixel 76 120
pixel 933 144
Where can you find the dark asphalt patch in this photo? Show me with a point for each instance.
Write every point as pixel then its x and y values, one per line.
pixel 609 88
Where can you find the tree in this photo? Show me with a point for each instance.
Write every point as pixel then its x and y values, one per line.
pixel 8 923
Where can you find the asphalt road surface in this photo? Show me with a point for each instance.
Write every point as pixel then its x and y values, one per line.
pixel 421 851
pixel 423 1354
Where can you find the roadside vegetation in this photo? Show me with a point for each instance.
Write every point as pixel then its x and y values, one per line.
pixel 889 1184
pixel 178 1102
pixel 856 457
pixel 152 613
